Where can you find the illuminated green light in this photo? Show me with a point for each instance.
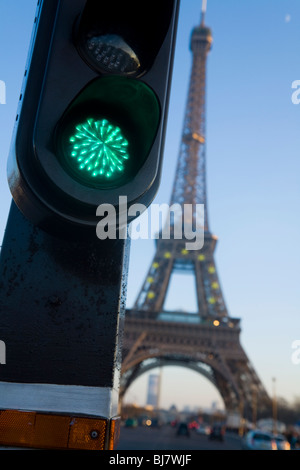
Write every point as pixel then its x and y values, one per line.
pixel 105 136
pixel 98 149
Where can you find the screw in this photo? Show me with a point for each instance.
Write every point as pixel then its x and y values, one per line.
pixel 94 434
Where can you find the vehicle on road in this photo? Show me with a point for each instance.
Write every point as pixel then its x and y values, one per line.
pixel 259 440
pixel 131 423
pixel 217 432
pixel 282 442
pixel 203 429
pixel 183 430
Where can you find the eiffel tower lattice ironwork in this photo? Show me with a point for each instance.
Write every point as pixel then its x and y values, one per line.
pixel 208 341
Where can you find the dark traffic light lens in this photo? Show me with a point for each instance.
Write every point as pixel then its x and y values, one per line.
pixel 111 53
pixel 122 37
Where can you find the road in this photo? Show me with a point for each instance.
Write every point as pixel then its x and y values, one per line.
pixel 164 438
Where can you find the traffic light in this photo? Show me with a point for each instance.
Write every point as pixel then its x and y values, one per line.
pixel 89 131
pixel 93 109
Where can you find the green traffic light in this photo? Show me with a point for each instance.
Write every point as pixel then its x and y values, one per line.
pixel 105 135
pixel 99 149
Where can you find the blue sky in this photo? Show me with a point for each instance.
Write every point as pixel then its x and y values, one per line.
pixel 253 174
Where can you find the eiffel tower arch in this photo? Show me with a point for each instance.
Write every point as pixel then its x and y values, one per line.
pixel 208 341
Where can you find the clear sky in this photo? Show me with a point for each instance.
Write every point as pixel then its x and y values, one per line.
pixel 253 174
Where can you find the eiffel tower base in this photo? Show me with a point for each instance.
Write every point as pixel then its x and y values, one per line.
pixel 154 340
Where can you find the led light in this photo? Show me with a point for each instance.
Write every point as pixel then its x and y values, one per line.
pixel 151 295
pixel 98 149
pixel 112 54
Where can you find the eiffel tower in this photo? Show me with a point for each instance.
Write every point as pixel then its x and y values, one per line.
pixel 207 341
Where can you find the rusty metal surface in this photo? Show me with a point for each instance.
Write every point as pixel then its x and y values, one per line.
pixel 61 306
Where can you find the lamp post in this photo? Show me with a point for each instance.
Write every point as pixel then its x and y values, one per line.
pixel 274 407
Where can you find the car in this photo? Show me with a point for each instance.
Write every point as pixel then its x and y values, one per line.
pixel 131 423
pixel 193 425
pixel 203 429
pixel 217 432
pixel 282 442
pixel 259 440
pixel 183 430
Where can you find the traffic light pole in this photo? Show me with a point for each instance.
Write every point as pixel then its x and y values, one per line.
pixel 62 310
pixel 89 129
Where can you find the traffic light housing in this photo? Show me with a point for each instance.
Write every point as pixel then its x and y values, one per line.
pixel 92 115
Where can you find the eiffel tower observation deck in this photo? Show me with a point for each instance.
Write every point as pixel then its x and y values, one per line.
pixel 206 341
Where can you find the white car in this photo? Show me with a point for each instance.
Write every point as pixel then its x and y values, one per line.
pixel 259 440
pixel 282 442
pixel 203 429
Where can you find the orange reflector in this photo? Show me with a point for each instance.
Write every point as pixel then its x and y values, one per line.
pixel 114 435
pixel 47 431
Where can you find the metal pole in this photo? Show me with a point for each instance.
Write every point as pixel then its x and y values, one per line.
pixel 62 307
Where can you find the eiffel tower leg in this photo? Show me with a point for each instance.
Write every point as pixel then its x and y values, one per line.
pixel 242 385
pixel 134 348
pixel 202 304
pixel 153 292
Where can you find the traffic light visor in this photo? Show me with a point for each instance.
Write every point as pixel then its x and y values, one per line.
pixel 122 37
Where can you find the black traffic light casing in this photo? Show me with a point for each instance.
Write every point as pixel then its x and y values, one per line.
pixel 91 59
